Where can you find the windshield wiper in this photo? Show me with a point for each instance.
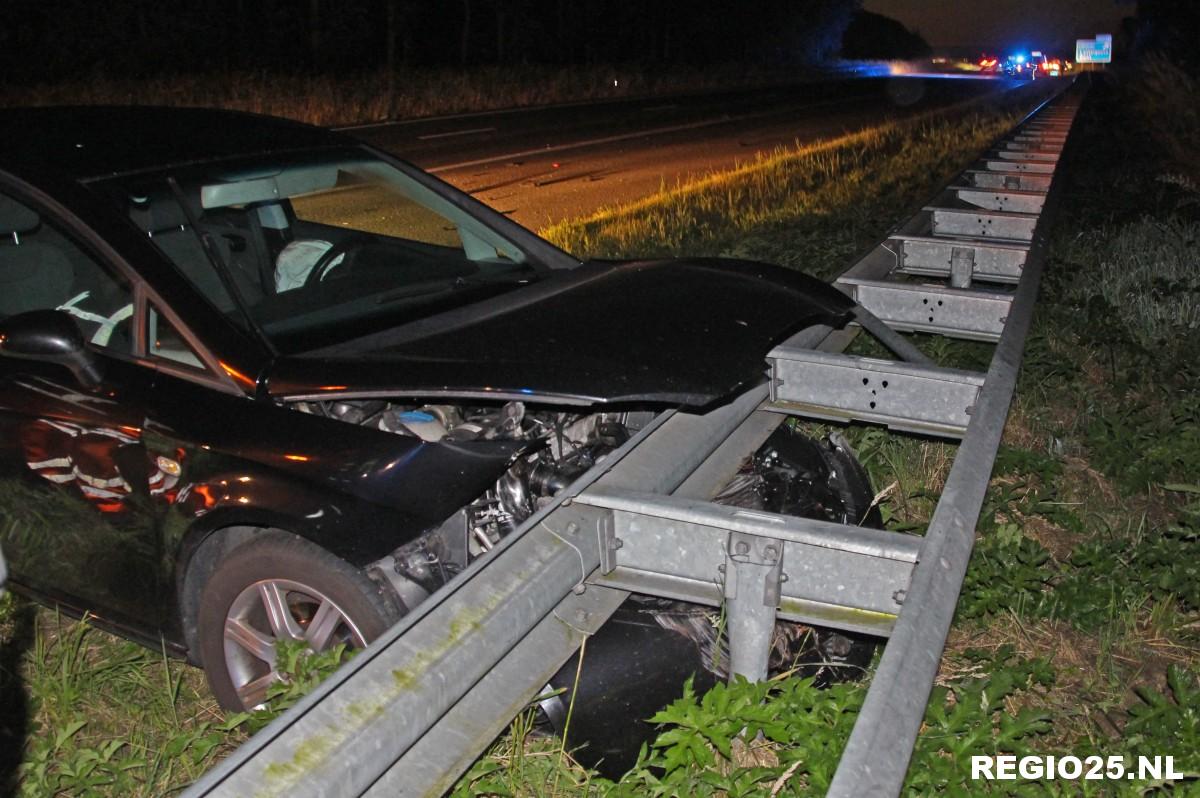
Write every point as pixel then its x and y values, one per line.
pixel 457 284
pixel 408 292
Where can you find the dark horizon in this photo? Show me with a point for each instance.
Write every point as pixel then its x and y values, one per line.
pixel 1006 24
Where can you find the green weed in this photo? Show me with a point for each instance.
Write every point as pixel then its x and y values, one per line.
pixel 110 717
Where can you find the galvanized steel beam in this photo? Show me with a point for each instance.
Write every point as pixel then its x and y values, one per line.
pixel 1007 199
pixel 970 314
pixel 903 396
pixel 1005 165
pixel 835 575
pixel 989 178
pixel 877 754
pixel 982 224
pixel 993 261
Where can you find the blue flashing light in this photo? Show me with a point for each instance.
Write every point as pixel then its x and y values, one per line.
pixel 1020 59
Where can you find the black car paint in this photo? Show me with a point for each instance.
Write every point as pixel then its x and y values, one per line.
pixel 685 333
pixel 357 492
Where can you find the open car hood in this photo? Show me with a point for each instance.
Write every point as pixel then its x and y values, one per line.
pixel 679 332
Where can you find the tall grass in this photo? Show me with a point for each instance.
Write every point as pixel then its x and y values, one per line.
pixel 808 207
pixel 99 716
pixel 374 96
pixel 1147 274
pixel 1167 99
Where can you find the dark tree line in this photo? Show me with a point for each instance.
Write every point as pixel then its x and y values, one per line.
pixel 54 39
pixel 876 36
pixel 1168 28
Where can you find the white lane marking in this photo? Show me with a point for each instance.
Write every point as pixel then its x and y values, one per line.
pixel 637 134
pixel 453 133
pixel 520 109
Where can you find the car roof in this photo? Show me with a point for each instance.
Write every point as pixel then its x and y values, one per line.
pixel 83 142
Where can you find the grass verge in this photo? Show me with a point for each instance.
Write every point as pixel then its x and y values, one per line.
pixel 407 94
pixel 809 207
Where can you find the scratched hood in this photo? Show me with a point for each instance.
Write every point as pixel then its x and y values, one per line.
pixel 679 332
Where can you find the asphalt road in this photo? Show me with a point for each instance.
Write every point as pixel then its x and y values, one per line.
pixel 547 164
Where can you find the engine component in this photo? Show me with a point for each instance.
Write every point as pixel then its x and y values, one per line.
pixel 560 447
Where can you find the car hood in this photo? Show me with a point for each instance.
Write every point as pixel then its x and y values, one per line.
pixel 681 332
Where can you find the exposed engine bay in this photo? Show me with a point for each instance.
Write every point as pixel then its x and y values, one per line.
pixel 561 446
pixel 672 640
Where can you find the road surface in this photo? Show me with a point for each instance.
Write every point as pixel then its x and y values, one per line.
pixel 543 165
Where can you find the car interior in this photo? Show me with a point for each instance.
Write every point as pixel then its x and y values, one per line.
pixel 41 268
pixel 309 244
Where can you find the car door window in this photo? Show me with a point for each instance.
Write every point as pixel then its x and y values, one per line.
pixel 164 341
pixel 43 268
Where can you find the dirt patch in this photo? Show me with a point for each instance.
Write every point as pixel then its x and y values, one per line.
pixel 1058 541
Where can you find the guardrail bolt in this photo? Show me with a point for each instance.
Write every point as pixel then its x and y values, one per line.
pixel 899 596
pixel 741 547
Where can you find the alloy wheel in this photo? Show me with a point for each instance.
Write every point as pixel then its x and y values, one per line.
pixel 279 609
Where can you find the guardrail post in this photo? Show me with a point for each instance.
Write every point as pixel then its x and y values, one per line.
pixel 962 266
pixel 753 575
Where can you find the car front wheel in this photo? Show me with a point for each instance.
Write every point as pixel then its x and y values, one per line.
pixel 280 587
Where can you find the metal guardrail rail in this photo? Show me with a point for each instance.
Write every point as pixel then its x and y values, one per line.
pixel 411 712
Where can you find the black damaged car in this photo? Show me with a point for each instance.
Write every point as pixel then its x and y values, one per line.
pixel 260 381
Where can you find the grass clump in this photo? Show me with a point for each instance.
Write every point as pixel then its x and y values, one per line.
pixel 85 713
pixel 372 96
pixel 1144 288
pixel 88 714
pixel 783 737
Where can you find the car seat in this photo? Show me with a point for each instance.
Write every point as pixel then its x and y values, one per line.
pixel 33 275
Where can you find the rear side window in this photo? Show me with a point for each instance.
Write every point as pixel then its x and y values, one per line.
pixel 43 268
pixel 166 342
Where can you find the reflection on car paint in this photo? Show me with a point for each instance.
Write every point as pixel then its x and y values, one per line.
pixel 86 457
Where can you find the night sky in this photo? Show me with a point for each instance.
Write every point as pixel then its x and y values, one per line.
pixel 997 25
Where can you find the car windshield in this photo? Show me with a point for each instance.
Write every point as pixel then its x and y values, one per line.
pixel 319 248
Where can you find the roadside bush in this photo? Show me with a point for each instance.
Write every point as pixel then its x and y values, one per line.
pixel 1144 277
pixel 1167 99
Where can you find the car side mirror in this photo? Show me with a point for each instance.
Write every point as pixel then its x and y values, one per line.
pixel 50 336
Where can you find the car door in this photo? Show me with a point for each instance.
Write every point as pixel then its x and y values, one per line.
pixel 80 495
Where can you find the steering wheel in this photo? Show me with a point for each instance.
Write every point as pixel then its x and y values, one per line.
pixel 325 264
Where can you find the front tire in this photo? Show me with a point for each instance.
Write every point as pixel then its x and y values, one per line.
pixel 279 586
